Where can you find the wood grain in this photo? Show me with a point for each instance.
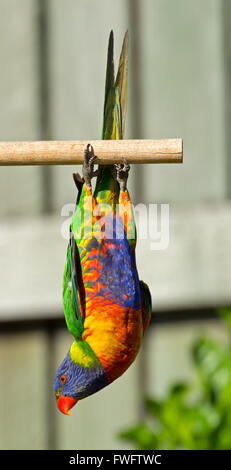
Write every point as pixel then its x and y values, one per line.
pixel 107 152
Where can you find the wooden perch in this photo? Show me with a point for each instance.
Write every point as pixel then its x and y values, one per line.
pixel 107 151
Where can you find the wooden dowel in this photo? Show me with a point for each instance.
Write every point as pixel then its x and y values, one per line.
pixel 107 151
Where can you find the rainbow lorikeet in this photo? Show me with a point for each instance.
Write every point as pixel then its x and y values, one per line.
pixel 106 307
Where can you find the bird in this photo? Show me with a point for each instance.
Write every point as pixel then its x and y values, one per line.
pixel 107 307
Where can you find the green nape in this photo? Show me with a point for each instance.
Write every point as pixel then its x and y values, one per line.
pixel 82 354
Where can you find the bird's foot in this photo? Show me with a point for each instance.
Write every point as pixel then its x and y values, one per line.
pixel 88 165
pixel 122 171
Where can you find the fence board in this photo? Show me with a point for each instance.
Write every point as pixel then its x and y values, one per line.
pixel 182 94
pixel 22 396
pixel 20 190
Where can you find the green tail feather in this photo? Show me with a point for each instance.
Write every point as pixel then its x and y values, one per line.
pixel 115 104
pixel 121 83
pixel 109 83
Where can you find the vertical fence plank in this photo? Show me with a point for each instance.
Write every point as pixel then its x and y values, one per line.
pixel 183 95
pixel 226 28
pixel 22 397
pixel 19 187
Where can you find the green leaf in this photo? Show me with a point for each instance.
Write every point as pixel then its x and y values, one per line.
pixel 225 313
pixel 141 436
pixel 179 390
pixel 154 407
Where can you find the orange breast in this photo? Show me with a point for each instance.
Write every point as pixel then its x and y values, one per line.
pixel 114 333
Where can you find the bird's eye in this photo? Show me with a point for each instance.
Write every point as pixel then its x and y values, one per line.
pixel 62 379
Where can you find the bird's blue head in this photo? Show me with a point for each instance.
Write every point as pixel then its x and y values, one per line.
pixel 74 382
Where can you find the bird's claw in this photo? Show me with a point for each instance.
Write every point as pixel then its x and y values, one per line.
pixel 88 165
pixel 122 171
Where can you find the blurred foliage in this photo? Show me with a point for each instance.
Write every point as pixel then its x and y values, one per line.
pixel 192 415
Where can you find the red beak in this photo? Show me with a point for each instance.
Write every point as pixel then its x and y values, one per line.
pixel 64 404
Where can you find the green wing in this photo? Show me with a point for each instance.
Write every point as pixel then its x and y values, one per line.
pixel 72 304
